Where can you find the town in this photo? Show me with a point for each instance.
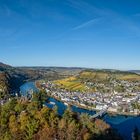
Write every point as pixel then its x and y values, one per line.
pixel 117 103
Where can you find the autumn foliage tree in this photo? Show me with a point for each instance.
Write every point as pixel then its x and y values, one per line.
pixel 33 121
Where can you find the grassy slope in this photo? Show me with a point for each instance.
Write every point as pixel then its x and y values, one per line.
pixel 103 75
pixel 129 77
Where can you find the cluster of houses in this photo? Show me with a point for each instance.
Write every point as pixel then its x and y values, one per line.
pixel 125 86
pixel 120 103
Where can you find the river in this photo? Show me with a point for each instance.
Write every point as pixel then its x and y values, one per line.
pixel 123 124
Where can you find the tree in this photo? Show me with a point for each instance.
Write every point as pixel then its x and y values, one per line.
pixel 13 125
pixel 19 107
pixel 68 114
pixel 39 98
pixel 84 119
pixel 6 109
pixel 72 130
pixel 31 128
pixel 29 125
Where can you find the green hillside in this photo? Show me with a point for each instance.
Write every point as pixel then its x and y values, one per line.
pixel 102 75
pixel 84 80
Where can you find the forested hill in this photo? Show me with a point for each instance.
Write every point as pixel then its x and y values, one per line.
pixel 4 84
pixel 11 78
pixel 4 66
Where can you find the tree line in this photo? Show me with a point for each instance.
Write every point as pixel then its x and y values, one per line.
pixel 30 120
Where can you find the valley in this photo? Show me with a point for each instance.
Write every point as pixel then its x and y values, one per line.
pixel 85 90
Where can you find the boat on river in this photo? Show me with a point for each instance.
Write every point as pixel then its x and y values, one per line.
pixel 52 103
pixel 66 104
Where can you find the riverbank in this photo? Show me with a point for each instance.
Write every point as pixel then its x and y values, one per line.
pixel 89 107
pixel 93 109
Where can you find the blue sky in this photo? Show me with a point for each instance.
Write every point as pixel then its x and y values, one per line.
pixel 78 33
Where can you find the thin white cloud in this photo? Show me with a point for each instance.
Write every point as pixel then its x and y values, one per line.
pixel 87 23
pixel 88 9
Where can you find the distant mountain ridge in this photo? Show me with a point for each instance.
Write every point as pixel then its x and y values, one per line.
pixel 61 69
pixel 135 71
pixel 4 66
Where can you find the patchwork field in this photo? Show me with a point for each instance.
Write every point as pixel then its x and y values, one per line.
pixel 71 83
pixel 78 82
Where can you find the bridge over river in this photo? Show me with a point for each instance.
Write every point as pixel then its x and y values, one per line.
pixel 103 111
pixel 99 114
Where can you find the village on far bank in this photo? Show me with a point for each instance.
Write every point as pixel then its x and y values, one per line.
pixel 125 102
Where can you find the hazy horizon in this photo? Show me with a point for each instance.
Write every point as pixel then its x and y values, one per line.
pixel 61 66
